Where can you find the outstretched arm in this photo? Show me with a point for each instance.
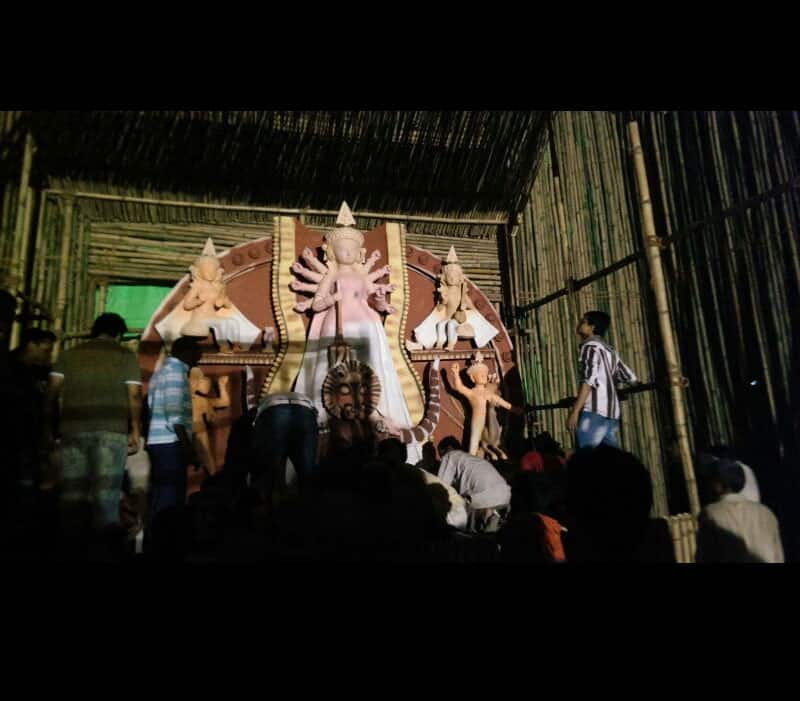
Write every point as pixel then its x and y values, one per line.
pixel 299 286
pixel 324 299
pixel 193 298
pixel 308 274
pixel 497 400
pixel 312 261
pixel 374 257
pixel 379 302
pixel 458 385
pixel 379 273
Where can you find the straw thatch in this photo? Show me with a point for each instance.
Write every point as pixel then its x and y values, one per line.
pixel 390 161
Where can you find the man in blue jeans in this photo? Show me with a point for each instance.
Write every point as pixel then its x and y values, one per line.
pixel 595 414
pixel 169 439
pixel 285 426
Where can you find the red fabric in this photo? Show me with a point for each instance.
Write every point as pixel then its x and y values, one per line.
pixel 552 536
pixel 532 462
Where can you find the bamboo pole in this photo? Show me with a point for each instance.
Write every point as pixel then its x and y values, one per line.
pixel 126 199
pixel 101 302
pixel 63 273
pixel 20 246
pixel 23 197
pixel 665 324
pixel 39 252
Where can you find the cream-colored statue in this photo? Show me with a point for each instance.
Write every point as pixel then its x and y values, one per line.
pixel 454 316
pixel 346 278
pixel 207 409
pixel 206 308
pixel 492 431
pixel 480 397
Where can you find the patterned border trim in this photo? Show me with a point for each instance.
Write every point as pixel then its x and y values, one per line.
pixel 410 381
pixel 291 331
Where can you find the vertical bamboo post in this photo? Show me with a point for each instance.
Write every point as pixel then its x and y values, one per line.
pixel 39 252
pixel 63 274
pixel 101 302
pixel 652 248
pixel 20 245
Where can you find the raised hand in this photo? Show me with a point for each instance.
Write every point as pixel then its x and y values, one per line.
pixel 299 286
pixel 300 269
pixel 373 258
pixel 312 261
pixel 379 273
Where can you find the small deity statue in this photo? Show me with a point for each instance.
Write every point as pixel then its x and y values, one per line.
pixel 454 316
pixel 206 308
pixel 492 432
pixel 481 397
pixel 206 410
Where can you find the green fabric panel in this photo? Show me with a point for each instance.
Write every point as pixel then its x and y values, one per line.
pixel 134 303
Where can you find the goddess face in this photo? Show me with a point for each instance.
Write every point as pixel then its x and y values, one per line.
pixel 207 268
pixel 453 275
pixel 346 251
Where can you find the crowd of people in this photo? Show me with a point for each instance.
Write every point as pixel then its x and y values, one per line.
pixel 72 489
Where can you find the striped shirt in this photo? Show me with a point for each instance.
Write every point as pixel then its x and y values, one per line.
pixel 602 369
pixel 170 402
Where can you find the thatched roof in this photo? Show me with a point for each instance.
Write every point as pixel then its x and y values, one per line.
pixel 454 163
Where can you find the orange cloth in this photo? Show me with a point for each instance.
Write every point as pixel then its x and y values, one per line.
pixel 552 535
pixel 532 461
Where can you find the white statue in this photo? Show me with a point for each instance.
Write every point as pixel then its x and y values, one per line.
pixel 206 308
pixel 346 278
pixel 454 316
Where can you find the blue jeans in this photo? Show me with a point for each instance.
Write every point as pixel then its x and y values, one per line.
pixel 281 431
pixel 594 430
pixel 167 479
pixel 93 465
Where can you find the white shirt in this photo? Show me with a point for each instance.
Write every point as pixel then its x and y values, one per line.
pixel 750 490
pixel 474 478
pixel 735 529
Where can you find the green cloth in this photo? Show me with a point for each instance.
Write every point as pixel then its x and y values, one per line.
pixel 134 303
pixel 95 394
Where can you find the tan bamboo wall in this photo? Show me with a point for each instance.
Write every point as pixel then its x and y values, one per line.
pixel 725 198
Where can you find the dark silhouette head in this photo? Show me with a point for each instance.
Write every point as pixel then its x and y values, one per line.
pixel 187 350
pixel 725 477
pixel 392 451
pixel 36 347
pixel 532 492
pixel 547 445
pixel 429 452
pixel 594 323
pixel 609 496
pixel 109 324
pixel 447 444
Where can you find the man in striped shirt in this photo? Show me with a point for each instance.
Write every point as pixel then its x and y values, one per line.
pixel 169 438
pixel 595 414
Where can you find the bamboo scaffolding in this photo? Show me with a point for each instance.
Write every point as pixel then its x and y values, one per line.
pixel 665 323
pixel 396 216
pixel 63 272
pixel 19 246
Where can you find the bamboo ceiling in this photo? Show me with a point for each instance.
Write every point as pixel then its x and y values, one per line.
pixel 451 163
